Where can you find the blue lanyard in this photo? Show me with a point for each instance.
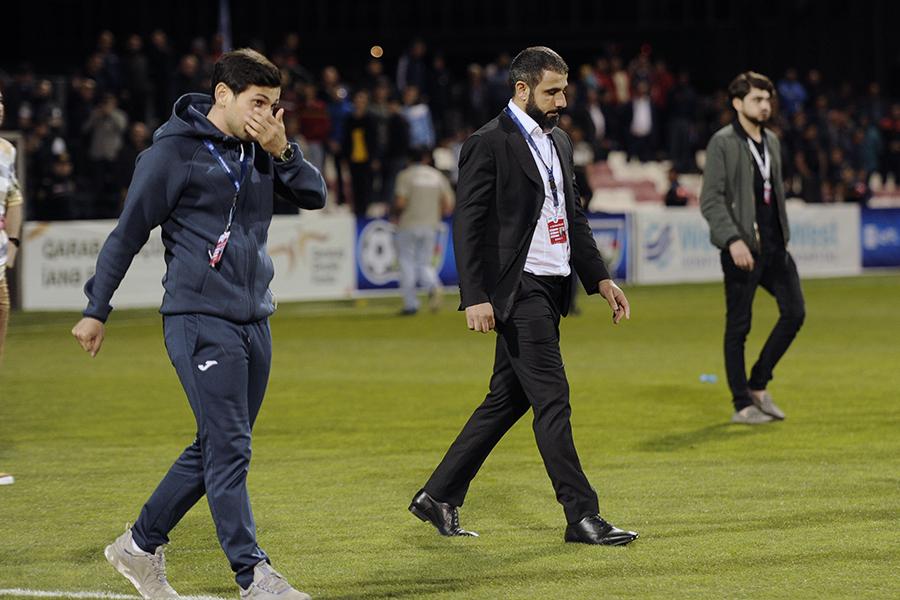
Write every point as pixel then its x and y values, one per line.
pixel 534 147
pixel 234 180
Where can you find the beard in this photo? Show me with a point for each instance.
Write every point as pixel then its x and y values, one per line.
pixel 546 121
pixel 760 120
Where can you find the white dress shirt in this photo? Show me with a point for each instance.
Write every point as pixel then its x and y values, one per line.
pixel 545 257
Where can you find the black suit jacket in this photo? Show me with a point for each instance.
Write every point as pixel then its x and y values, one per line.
pixel 499 199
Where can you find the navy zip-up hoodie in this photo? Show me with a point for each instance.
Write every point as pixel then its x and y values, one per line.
pixel 179 185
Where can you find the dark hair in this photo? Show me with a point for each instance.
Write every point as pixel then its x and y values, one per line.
pixel 743 83
pixel 529 65
pixel 418 154
pixel 242 68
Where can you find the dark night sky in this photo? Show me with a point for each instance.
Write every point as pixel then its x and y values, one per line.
pixel 714 39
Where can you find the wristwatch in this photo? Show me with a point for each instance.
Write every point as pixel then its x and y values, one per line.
pixel 287 154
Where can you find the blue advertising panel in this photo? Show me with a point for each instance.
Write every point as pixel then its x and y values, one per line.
pixel 611 234
pixel 880 237
pixel 376 255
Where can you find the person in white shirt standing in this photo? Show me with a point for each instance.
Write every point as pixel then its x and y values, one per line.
pixel 519 233
pixel 423 196
pixel 10 225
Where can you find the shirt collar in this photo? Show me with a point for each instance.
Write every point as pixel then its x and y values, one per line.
pixel 527 122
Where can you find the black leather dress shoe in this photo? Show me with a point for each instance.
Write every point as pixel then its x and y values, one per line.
pixel 443 516
pixel 594 530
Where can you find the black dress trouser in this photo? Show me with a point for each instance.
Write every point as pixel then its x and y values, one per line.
pixel 776 272
pixel 528 373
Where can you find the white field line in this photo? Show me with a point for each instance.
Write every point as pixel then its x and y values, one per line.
pixel 24 593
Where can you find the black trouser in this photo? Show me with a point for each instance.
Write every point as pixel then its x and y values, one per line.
pixel 777 273
pixel 528 373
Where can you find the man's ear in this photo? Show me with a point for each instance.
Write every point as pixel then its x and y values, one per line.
pixel 223 94
pixel 522 91
pixel 736 103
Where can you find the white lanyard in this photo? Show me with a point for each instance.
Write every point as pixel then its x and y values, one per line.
pixel 765 167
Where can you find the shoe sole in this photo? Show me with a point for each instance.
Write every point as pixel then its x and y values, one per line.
pixel 623 541
pixel 124 571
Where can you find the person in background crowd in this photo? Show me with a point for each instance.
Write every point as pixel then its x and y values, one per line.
pixel 418 115
pixel 676 194
pixel 423 197
pixel 360 147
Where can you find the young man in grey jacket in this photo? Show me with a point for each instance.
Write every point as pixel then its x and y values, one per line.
pixel 743 201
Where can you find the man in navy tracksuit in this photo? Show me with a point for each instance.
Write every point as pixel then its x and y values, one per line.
pixel 209 181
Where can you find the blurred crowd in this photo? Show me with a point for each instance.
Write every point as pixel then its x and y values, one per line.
pixel 360 122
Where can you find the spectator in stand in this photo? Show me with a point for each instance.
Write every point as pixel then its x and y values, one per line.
pixel 441 97
pixel 641 116
pixel 315 125
pixel 475 101
pixel 56 197
pixel 380 111
pixel 43 143
pixel 621 81
pixel 890 131
pixel 374 75
pixel 683 112
pixel 339 109
pixel 854 188
pixel 412 68
pixel 661 83
pixel 577 109
pixel 603 76
pixel 582 156
pixel 810 163
pixel 110 64
pixel 188 78
pixel 815 87
pixel 137 141
pixel 871 146
pixel 105 129
pixel 43 104
pixel 497 81
pixel 873 105
pixel 361 151
pixel 137 91
pixel 418 115
pixel 396 150
pixel 160 64
pixel 82 97
pixel 597 133
pixel 676 195
pixel 791 93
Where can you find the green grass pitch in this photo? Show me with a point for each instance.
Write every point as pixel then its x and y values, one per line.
pixel 361 406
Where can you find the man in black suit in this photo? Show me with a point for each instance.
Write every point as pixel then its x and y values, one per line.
pixel 519 233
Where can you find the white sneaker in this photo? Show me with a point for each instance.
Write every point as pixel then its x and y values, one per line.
pixel 763 401
pixel 7 479
pixel 147 572
pixel 268 584
pixel 751 415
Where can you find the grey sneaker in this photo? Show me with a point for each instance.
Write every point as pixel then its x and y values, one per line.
pixel 763 401
pixel 147 572
pixel 268 584
pixel 750 415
